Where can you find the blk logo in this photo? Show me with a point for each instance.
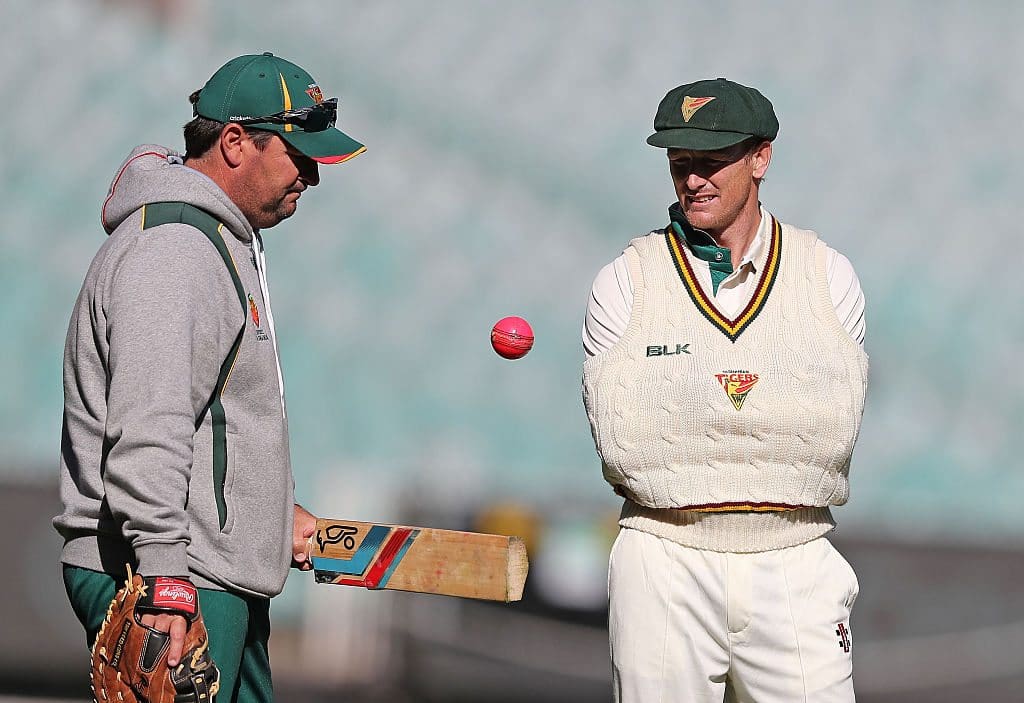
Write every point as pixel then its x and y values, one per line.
pixel 665 350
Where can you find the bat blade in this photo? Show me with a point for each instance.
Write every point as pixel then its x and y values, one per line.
pixel 419 559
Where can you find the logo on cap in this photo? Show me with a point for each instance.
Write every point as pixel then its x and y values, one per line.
pixel 691 105
pixel 314 92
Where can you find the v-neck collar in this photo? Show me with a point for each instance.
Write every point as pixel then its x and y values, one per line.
pixel 681 234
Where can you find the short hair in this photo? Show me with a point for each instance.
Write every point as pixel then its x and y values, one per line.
pixel 752 144
pixel 201 133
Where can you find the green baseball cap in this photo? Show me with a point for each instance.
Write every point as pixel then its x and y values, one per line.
pixel 712 114
pixel 266 92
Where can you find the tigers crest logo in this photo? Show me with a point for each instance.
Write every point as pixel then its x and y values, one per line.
pixel 737 385
pixel 691 105
pixel 314 92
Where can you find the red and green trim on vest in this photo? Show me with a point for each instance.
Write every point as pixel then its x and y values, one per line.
pixel 743 508
pixel 728 507
pixel 676 239
pixel 154 215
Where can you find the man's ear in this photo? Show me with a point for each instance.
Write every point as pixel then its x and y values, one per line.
pixel 761 157
pixel 232 144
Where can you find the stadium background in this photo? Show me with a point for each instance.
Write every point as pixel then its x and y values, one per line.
pixel 506 164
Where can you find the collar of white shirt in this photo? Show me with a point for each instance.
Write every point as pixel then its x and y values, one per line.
pixel 700 244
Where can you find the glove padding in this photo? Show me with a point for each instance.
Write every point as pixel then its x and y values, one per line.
pixel 129 659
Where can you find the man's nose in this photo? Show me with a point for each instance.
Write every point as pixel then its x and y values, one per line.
pixel 694 181
pixel 310 172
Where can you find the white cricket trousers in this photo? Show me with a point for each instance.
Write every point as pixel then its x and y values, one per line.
pixel 688 625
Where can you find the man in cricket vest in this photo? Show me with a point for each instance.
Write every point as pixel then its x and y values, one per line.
pixel 724 382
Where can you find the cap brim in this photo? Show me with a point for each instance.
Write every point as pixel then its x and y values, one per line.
pixel 695 139
pixel 331 146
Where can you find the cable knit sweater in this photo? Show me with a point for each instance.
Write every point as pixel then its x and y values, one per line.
pixel 729 434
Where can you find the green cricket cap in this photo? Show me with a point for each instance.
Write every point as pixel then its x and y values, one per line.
pixel 249 87
pixel 712 114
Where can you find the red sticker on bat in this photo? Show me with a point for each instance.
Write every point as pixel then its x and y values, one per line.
pixel 175 594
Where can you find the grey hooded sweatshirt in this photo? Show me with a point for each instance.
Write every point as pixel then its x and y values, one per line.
pixel 150 333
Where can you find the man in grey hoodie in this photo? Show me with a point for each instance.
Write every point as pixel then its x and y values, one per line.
pixel 174 449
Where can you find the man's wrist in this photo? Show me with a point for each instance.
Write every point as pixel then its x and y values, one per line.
pixel 159 559
pixel 169 594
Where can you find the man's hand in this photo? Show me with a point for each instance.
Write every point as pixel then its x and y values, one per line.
pixel 153 645
pixel 303 527
pixel 176 625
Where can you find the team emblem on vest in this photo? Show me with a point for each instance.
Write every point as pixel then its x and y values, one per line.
pixel 737 385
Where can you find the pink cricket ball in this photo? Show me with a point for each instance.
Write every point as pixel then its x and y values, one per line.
pixel 512 337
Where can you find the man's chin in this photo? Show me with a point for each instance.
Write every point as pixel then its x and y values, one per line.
pixel 278 216
pixel 701 219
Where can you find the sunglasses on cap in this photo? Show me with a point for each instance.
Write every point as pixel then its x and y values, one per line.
pixel 315 118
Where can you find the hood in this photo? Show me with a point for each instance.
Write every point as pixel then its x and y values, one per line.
pixel 153 174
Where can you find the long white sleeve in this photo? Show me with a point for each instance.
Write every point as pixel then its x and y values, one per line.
pixel 847 296
pixel 611 299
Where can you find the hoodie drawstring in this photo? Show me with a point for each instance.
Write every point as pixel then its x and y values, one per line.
pixel 259 258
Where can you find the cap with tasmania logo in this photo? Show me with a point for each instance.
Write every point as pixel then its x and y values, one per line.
pixel 712 114
pixel 256 86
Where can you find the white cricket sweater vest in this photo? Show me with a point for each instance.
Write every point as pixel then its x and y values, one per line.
pixel 729 434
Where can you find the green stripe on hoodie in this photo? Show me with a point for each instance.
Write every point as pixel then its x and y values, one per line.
pixel 156 214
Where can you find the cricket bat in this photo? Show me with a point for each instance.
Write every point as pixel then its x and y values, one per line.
pixel 419 559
